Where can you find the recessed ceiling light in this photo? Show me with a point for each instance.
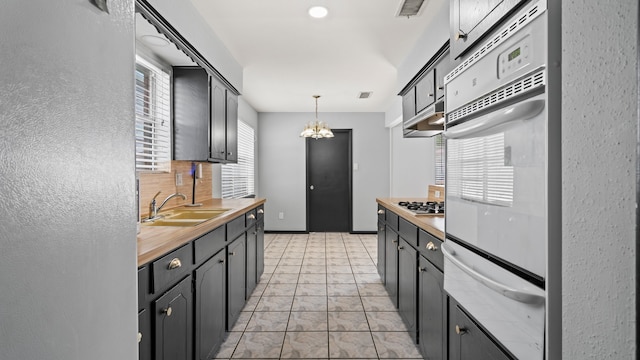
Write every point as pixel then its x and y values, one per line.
pixel 318 12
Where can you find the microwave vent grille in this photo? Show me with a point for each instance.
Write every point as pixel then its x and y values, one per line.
pixel 513 27
pixel 517 88
pixel 409 8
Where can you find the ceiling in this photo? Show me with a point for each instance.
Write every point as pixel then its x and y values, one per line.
pixel 287 56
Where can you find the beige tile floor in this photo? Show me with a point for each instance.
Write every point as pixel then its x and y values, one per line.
pixel 320 298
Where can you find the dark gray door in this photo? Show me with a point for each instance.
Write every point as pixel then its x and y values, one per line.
pixel 329 183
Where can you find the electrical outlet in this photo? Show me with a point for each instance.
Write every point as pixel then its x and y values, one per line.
pixel 178 179
pixel 281 215
pixel 437 194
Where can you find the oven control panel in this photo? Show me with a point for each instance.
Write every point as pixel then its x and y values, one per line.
pixel 514 58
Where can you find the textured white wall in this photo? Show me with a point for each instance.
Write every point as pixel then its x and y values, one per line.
pixel 68 233
pixel 282 166
pixel 599 127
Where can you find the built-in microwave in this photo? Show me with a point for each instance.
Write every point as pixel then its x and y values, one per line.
pixel 471 20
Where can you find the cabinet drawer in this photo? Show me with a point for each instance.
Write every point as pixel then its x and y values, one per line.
pixel 209 244
pixel 392 219
pixel 143 286
pixel 250 217
pixel 431 247
pixel 171 268
pixel 235 227
pixel 408 232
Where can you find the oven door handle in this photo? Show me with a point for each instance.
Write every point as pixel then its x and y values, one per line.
pixel 522 296
pixel 519 111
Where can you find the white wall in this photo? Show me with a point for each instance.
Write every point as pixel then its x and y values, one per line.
pixel 412 164
pixel 184 17
pixel 68 231
pixel 599 127
pixel 281 164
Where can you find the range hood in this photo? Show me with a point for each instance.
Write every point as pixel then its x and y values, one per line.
pixel 427 123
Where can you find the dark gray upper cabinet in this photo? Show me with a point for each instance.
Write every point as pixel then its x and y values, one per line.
pixel 205 116
pixel 470 20
pixel 425 91
pixel 190 114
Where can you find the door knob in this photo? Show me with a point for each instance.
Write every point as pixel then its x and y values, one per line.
pixel 311 187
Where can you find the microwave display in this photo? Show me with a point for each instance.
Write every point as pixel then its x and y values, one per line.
pixel 514 54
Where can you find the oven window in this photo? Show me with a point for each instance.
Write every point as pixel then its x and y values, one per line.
pixel 479 169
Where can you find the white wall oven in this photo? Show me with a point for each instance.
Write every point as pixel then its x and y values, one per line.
pixel 496 183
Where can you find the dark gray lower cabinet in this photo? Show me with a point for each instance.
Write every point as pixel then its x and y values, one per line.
pixel 408 286
pixel 236 278
pixel 432 321
pixel 252 257
pixel 144 335
pixel 391 264
pixel 210 285
pixel 259 249
pixel 174 323
pixel 381 251
pixel 467 341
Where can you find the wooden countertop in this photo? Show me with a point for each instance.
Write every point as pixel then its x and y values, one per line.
pixel 433 224
pixel 155 241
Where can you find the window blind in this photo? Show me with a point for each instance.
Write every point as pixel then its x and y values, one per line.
pixel 238 179
pixel 479 169
pixel 153 123
pixel 440 159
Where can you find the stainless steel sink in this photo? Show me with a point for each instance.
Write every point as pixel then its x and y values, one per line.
pixel 184 217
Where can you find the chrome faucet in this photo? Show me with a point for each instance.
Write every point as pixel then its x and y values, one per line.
pixel 153 209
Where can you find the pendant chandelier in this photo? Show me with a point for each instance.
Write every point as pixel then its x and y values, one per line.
pixel 316 129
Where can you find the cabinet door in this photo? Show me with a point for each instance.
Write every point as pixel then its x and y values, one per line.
pixel 470 20
pixel 381 251
pixel 391 264
pixel 174 323
pixel 144 335
pixel 232 128
pixel 467 341
pixel 218 121
pixel 431 310
pixel 443 67
pixel 252 261
pixel 409 104
pixel 210 311
pixel 425 91
pixel 260 249
pixel 236 268
pixel 190 114
pixel 408 286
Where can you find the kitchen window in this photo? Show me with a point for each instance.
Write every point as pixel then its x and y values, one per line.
pixel 238 179
pixel 153 123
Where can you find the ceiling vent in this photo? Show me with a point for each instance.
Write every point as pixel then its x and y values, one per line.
pixel 409 8
pixel 365 95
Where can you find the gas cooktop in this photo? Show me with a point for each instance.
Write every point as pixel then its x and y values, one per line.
pixel 423 208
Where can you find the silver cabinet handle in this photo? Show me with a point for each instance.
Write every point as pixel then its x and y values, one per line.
pixel 431 246
pixel 311 187
pixel 421 269
pixel 380 212
pixel 139 336
pixel 460 330
pixel 221 261
pixel 252 216
pixel 233 253
pixel 168 311
pixel 460 35
pixel 400 247
pixel 174 264
pixel 229 153
pixel 260 211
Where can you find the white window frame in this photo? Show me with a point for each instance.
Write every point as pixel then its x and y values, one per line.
pixel 152 118
pixel 238 180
